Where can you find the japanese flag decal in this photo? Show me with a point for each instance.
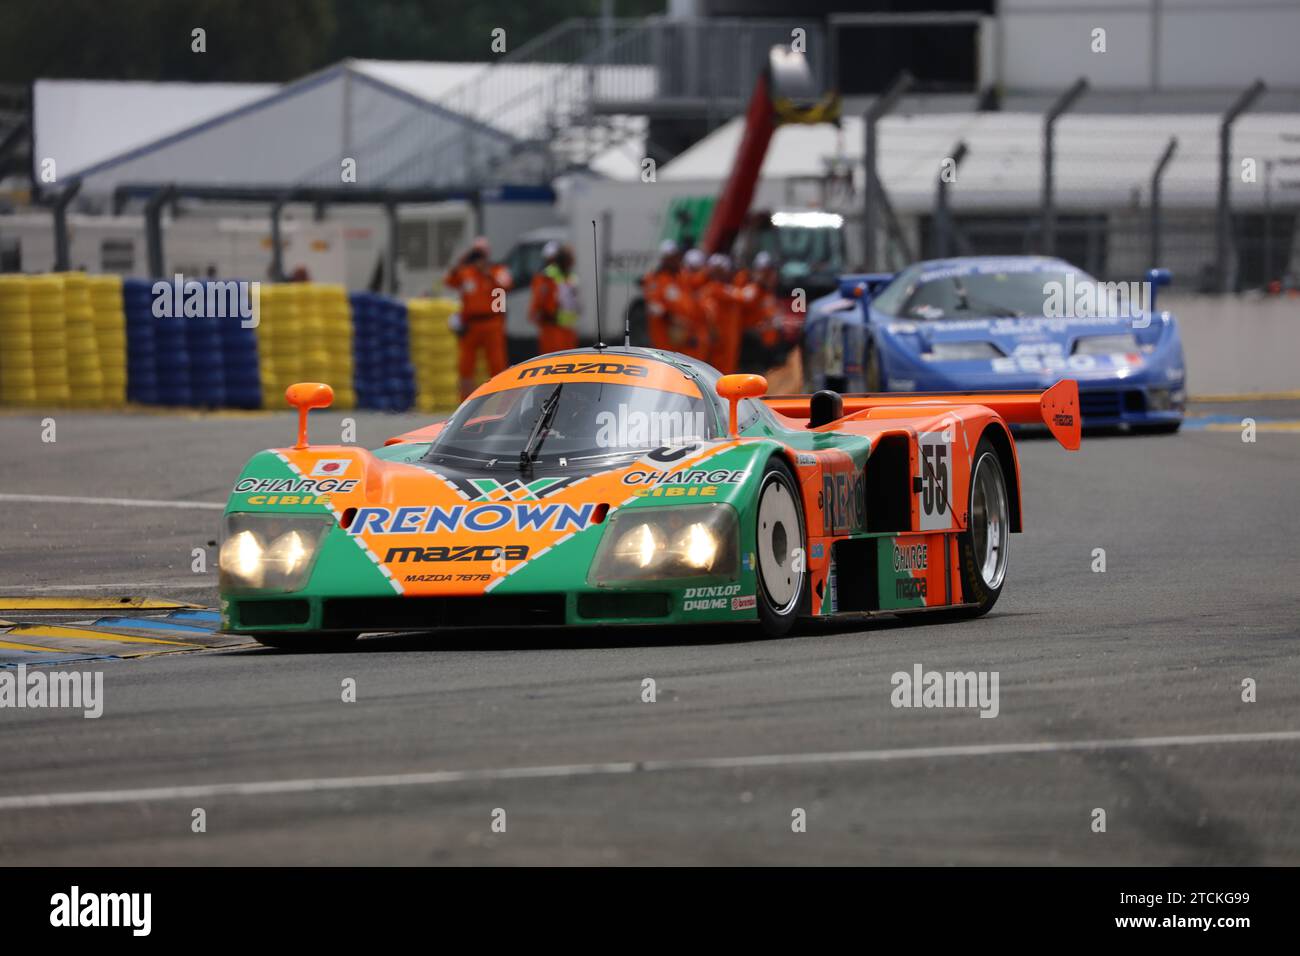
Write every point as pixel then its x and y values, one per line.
pixel 332 467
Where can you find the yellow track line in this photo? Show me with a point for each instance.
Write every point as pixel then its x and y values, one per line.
pixel 1259 427
pixel 91 604
pixel 11 646
pixel 82 634
pixel 1248 397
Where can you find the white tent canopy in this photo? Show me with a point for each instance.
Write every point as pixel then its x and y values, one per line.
pixel 300 134
pixel 405 124
pixel 80 123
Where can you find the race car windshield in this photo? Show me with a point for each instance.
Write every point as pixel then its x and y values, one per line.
pixel 583 420
pixel 924 296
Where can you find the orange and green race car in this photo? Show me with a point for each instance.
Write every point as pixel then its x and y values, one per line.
pixel 620 486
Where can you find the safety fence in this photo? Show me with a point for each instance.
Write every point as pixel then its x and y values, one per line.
pixel 73 340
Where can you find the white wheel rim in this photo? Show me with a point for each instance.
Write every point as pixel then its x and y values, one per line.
pixel 779 534
pixel 989 522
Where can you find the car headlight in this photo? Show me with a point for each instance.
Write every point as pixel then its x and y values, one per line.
pixel 1165 399
pixel 648 544
pixel 269 552
pixel 1106 344
pixel 961 351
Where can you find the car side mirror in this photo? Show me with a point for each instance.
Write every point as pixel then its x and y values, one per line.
pixel 736 387
pixel 305 396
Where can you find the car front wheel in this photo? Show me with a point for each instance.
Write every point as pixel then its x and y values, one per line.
pixel 781 565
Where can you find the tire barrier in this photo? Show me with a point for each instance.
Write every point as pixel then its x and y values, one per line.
pixel 69 339
pixel 17 343
pixel 239 363
pixel 141 349
pixel 305 335
pixel 279 342
pixel 85 378
pixel 207 367
pixel 49 339
pixel 33 341
pixel 109 315
pixel 334 321
pixel 383 376
pixel 433 354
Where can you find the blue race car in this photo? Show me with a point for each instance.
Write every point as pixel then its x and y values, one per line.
pixel 998 324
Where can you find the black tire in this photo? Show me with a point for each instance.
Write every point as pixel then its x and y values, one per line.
pixel 978 586
pixel 783 587
pixel 306 641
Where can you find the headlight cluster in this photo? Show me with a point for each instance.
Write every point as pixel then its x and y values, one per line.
pixel 1106 344
pixel 644 544
pixel 961 351
pixel 269 552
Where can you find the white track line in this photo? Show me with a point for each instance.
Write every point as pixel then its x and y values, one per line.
pixel 123 502
pixel 433 778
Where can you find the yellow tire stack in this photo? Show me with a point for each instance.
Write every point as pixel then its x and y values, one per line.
pixel 17 343
pixel 110 333
pixel 279 343
pixel 433 353
pixel 85 377
pixel 49 339
pixel 315 349
pixel 336 335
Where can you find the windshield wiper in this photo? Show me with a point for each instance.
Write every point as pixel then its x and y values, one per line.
pixel 619 453
pixel 447 454
pixel 533 447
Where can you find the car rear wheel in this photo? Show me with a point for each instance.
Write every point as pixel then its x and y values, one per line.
pixel 982 547
pixel 306 641
pixel 780 539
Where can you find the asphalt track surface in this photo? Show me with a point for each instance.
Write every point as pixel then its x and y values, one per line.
pixel 1119 690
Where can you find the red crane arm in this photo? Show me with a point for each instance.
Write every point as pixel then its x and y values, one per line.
pixel 738 193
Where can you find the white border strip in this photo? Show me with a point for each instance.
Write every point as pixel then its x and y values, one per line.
pixel 437 777
pixel 124 502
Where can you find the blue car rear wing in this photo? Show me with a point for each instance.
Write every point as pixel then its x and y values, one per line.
pixel 864 285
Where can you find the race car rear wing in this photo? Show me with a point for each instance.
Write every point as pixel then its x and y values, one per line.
pixel 1057 408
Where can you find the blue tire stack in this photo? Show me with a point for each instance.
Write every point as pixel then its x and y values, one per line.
pixel 367 359
pixel 207 375
pixel 141 348
pixel 172 358
pixel 239 359
pixel 399 373
pixel 382 373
